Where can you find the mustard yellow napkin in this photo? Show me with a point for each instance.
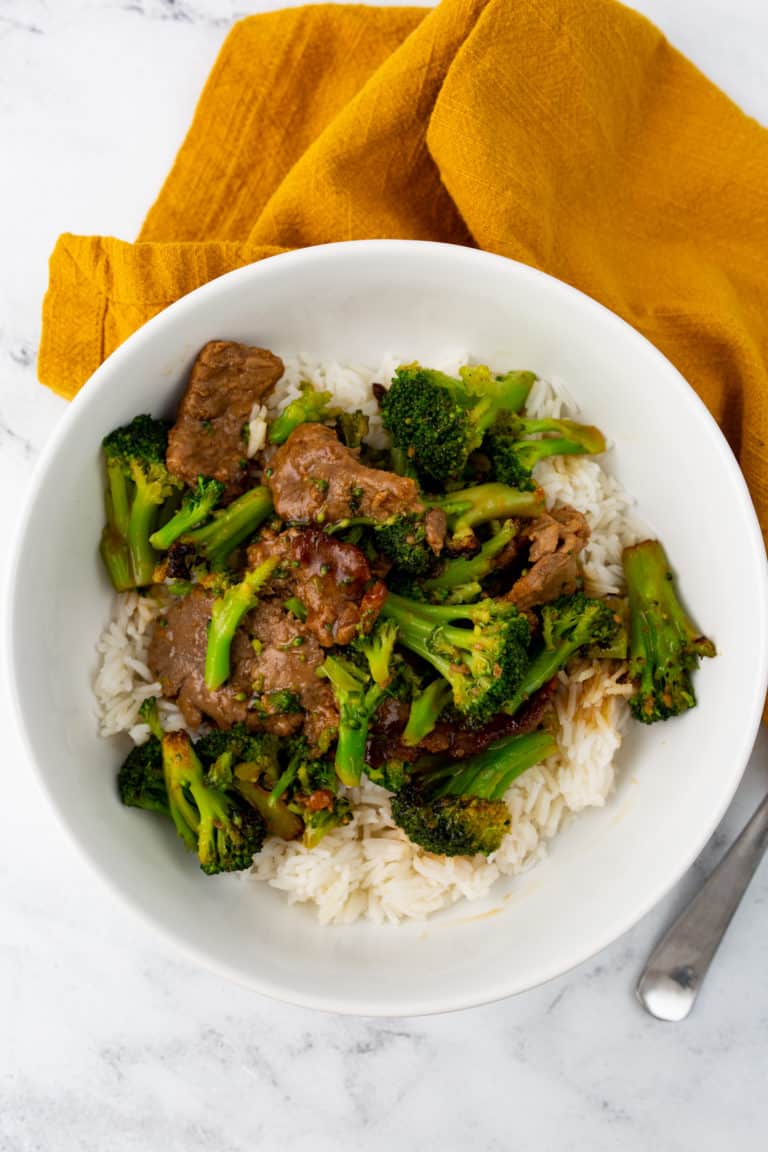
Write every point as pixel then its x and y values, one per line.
pixel 564 133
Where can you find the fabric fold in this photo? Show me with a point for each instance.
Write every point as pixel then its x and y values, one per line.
pixel 567 134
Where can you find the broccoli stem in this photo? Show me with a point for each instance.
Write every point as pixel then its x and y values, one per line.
pixel 350 747
pixel 489 774
pixel 356 706
pixel 541 670
pixel 568 625
pixel 510 390
pixel 308 408
pixel 378 649
pixel 425 711
pixel 209 818
pixel 650 581
pixel 197 508
pixel 179 761
pixel 285 780
pixel 401 463
pixel 280 821
pixel 535 450
pixel 114 553
pixel 119 508
pixel 226 615
pixel 472 506
pixel 584 438
pixel 465 571
pixel 149 713
pixel 229 528
pixel 141 522
pixel 415 632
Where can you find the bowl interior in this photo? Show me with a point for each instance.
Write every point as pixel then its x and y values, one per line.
pixel 356 303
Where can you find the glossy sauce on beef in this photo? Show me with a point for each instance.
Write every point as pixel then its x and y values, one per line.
pixel 271 652
pixel 210 436
pixel 332 580
pixel 314 479
pixel 555 540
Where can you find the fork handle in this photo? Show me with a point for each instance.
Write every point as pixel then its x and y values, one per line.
pixel 677 966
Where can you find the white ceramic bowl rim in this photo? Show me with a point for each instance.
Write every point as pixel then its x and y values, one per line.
pixel 750 707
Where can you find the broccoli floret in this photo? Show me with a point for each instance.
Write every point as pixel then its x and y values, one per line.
pixel 314 796
pixel 425 711
pixel 352 428
pixel 319 822
pixel 281 702
pixel 513 456
pixel 225 832
pixel 391 775
pixel 310 407
pixel 357 698
pixel 197 505
pixel 453 825
pixel 468 507
pixel 227 612
pixel 257 749
pixel 307 790
pixel 149 714
pixel 615 647
pixel 378 649
pixel 404 542
pixel 140 781
pixel 568 624
pixel 439 420
pixel 460 578
pixel 664 645
pixel 248 762
pixel 138 486
pixel 480 649
pixel 404 538
pixel 211 545
pixel 457 808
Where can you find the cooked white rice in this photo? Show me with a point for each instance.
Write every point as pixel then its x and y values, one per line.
pixel 369 868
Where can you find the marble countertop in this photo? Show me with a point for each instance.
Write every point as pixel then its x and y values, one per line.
pixel 108 1040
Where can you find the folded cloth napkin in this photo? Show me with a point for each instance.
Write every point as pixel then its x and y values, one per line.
pixel 567 134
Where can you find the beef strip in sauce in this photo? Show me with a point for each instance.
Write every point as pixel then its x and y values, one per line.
pixel 556 539
pixel 315 479
pixel 210 436
pixel 384 742
pixel 331 579
pixel 271 652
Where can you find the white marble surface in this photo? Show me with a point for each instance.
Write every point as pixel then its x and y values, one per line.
pixel 110 1041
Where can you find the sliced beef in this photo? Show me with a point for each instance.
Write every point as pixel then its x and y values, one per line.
pixel 315 479
pixel 563 529
pixel 454 742
pixel 435 528
pixel 210 436
pixel 288 658
pixel 283 657
pixel 331 579
pixel 555 540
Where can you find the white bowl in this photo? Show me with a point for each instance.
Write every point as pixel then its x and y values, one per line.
pixel 356 302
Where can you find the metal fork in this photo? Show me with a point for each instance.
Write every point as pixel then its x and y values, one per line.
pixel 677 966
